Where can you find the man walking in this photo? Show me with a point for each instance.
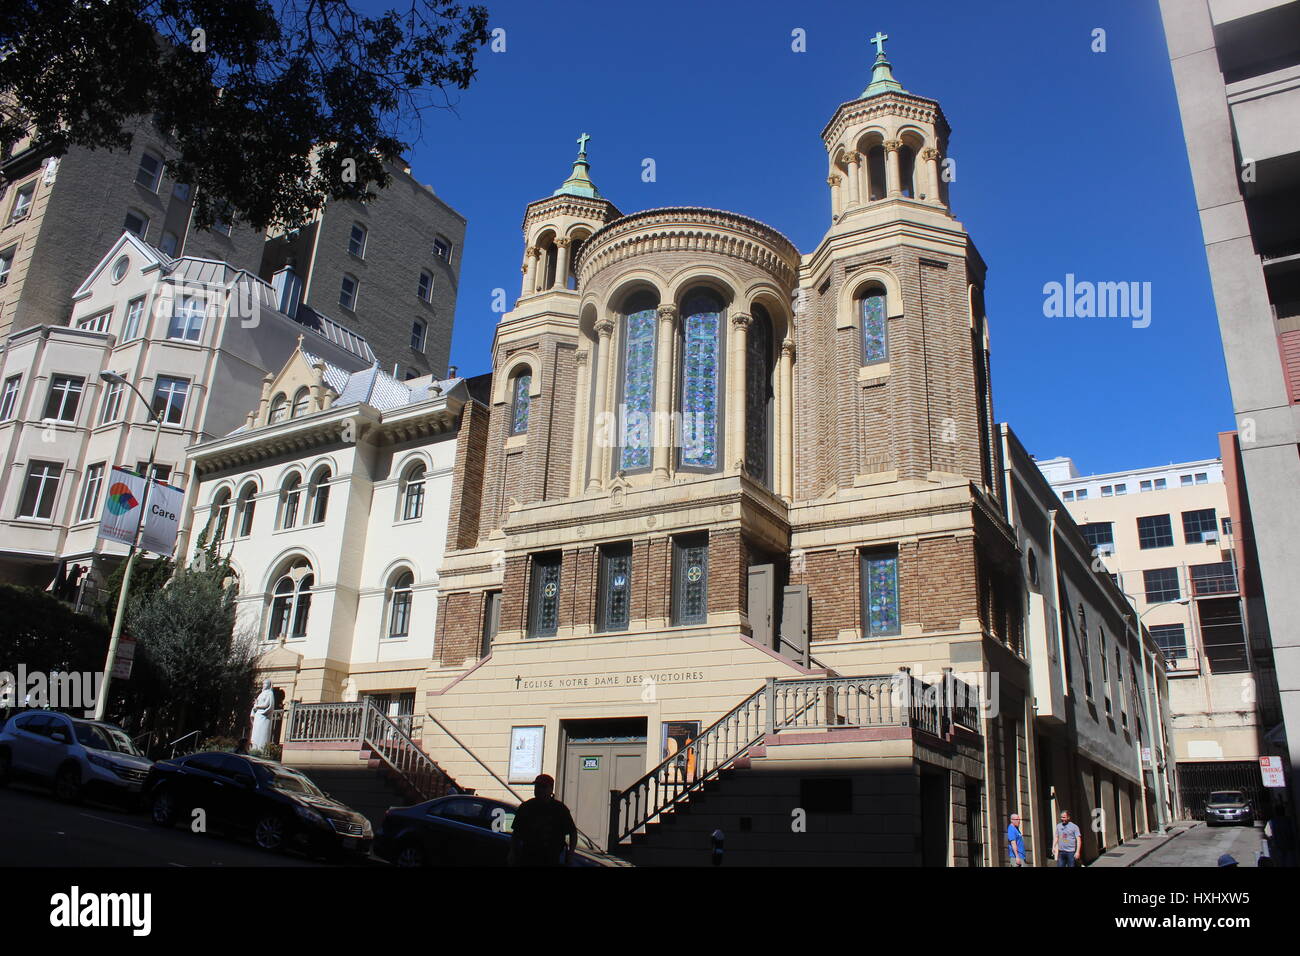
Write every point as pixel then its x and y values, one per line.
pixel 542 826
pixel 1067 844
pixel 1016 842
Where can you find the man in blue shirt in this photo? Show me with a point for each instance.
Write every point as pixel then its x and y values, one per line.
pixel 1016 842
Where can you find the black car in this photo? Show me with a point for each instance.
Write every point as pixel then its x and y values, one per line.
pixel 462 830
pixel 278 807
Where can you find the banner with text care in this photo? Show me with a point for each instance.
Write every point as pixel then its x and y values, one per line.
pixel 122 511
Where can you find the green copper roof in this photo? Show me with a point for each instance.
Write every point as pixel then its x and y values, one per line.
pixel 579 182
pixel 882 76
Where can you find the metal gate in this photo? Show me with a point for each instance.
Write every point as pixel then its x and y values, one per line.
pixel 1196 781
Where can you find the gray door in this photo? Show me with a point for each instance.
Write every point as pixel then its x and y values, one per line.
pixel 591 771
pixel 762 584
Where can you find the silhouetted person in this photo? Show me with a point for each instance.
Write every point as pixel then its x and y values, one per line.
pixel 541 828
pixel 1280 834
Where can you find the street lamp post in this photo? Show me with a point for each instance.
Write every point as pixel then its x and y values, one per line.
pixel 101 703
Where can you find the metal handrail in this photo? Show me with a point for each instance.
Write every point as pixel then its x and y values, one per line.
pixel 396 748
pixel 172 744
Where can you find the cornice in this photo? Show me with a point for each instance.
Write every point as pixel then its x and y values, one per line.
pixel 908 105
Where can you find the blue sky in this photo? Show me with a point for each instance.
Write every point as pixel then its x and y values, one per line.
pixel 1068 161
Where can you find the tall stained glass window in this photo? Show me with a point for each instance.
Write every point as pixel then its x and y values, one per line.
pixel 874 347
pixel 615 586
pixel 758 395
pixel 544 612
pixel 691 579
pixel 880 593
pixel 701 370
pixel 638 389
pixel 520 403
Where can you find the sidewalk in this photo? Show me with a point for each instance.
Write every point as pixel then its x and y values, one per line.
pixel 1140 847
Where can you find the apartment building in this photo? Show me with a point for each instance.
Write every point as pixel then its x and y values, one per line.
pixel 1236 71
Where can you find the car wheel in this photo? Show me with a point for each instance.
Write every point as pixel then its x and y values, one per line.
pixel 270 832
pixel 6 767
pixel 163 809
pixel 67 784
pixel 411 855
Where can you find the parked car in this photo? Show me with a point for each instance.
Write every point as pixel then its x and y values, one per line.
pixel 278 807
pixel 1228 806
pixel 73 756
pixel 462 830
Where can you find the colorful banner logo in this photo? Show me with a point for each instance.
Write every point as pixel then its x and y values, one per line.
pixel 120 499
pixel 121 517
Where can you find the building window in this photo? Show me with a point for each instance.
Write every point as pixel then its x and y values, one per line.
pixel 169 399
pixel 871 312
pixel 544 601
pixel 131 325
pixel 219 515
pixel 690 597
pixel 279 410
pixel 419 329
pixel 425 288
pixel 1202 478
pixel 1216 578
pixel 1121 489
pixel 615 587
pixel 348 293
pixel 1184 480
pixel 1224 523
pixel 1155 531
pixel 22 206
pixel 491 620
pixel 301 400
pixel 1100 536
pixel 1171 639
pixel 413 491
pixel 6 264
pixel 1197 524
pixel 880 594
pixel 318 494
pixel 1161 585
pixel 1085 652
pixel 90 492
pixel 701 373
pixel 758 396
pixel 136 223
pixel 291 605
pixel 9 400
pixel 442 249
pixel 65 395
pixel 245 509
pixel 400 593
pixel 290 497
pixel 1144 486
pixel 40 489
pixel 158 472
pixel 149 173
pixel 1160 484
pixel 521 402
pixel 1068 496
pixel 357 241
pixel 187 318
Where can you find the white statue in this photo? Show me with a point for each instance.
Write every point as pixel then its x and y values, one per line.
pixel 261 715
pixel 350 692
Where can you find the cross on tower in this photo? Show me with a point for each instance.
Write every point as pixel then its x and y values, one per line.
pixel 582 142
pixel 879 40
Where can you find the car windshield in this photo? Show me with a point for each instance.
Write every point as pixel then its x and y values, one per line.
pixel 294 783
pixel 1227 796
pixel 98 737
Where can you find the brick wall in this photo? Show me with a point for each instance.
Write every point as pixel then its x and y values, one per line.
pixel 463 518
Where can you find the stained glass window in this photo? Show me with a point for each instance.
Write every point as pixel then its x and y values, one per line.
pixel 873 328
pixel 520 404
pixel 691 579
pixel 880 593
pixel 544 617
pixel 615 586
pixel 638 389
pixel 702 332
pixel 758 393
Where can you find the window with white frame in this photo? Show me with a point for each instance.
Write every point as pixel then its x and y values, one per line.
pixel 279 410
pixel 40 490
pixel 290 498
pixel 442 249
pixel 134 315
pixel 318 494
pixel 149 173
pixel 169 399
pixel 357 240
pixel 136 223
pixel 425 288
pixel 348 290
pixel 9 398
pixel 90 492
pixel 64 398
pixel 219 515
pixel 419 330
pixel 22 206
pixel 6 265
pixel 187 318
pixel 301 399
pixel 112 406
pixel 413 491
pixel 245 509
pixel 400 594
pixel 96 323
pixel 291 603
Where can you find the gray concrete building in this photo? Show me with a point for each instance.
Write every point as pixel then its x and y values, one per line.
pixel 387 269
pixel 1236 69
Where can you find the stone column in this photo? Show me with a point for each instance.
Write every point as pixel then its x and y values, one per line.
pixel 665 353
pixel 855 185
pixel 605 436
pixel 735 407
pixel 581 433
pixel 529 255
pixel 893 177
pixel 562 266
pixel 786 451
pixel 834 182
pixel 931 157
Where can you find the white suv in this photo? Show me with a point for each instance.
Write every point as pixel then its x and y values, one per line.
pixel 74 756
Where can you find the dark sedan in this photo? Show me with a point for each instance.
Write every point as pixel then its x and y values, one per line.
pixel 1228 806
pixel 278 807
pixel 462 831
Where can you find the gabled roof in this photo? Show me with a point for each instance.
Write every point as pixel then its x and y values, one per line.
pixel 154 258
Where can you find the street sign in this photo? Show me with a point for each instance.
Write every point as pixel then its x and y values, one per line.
pixel 125 657
pixel 1146 756
pixel 1271 769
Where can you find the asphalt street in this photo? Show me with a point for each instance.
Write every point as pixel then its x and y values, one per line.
pixel 1202 846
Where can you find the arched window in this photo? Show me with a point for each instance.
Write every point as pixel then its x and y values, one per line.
pixel 318 494
pixel 520 401
pixel 300 400
pixel 219 515
pixel 413 491
pixel 399 604
pixel 279 409
pixel 700 373
pixel 876 172
pixel 291 603
pixel 637 398
pixel 871 316
pixel 290 497
pixel 907 170
pixel 244 509
pixel 758 396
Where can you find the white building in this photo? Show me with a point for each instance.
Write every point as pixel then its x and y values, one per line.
pixel 332 503
pixel 195 336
